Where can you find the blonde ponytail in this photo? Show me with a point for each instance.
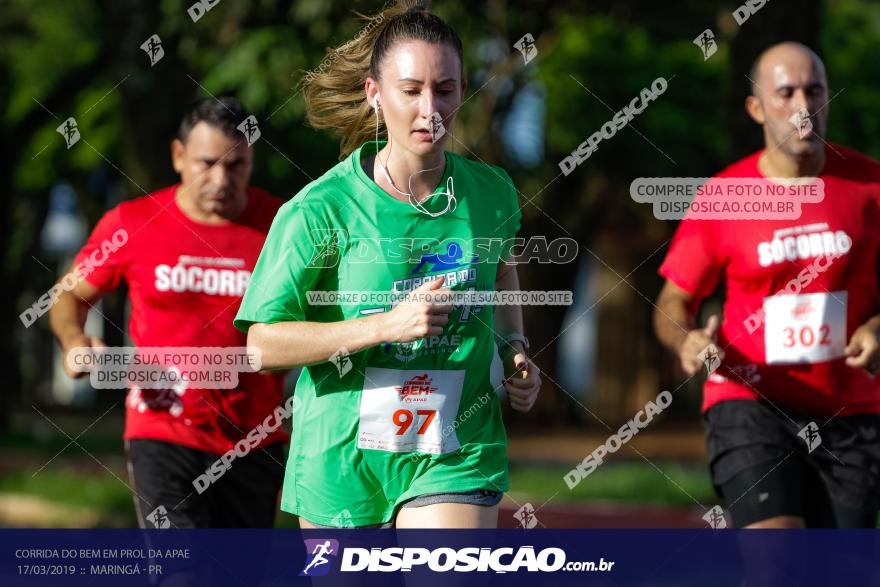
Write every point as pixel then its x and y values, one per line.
pixel 334 94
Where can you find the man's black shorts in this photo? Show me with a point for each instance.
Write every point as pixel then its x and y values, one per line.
pixel 763 468
pixel 162 475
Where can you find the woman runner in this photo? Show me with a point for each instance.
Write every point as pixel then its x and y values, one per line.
pixel 399 424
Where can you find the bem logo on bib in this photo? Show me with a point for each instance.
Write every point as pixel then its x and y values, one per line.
pixel 803 310
pixel 412 389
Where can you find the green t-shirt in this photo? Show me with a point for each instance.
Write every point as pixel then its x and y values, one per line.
pixel 388 423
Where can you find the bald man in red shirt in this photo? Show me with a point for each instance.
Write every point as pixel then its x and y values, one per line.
pixel 791 412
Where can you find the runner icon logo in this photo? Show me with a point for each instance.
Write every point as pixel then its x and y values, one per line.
pixel 159 518
pixel 342 361
pixel 810 434
pixel 526 516
pixel 317 556
pixel 153 48
pixel 69 131
pixel 250 130
pixel 710 358
pixel 715 518
pixel 801 121
pixel 437 128
pixel 706 42
pixel 526 46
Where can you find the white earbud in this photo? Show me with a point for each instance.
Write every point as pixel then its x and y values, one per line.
pixel 451 201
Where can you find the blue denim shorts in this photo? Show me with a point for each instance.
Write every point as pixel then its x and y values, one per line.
pixel 484 497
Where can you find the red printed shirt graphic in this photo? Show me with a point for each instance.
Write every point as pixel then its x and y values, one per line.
pixel 796 290
pixel 185 282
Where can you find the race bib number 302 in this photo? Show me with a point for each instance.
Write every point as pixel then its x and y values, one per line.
pixel 408 411
pixel 806 328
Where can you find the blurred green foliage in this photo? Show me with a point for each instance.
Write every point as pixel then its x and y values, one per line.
pixel 83 59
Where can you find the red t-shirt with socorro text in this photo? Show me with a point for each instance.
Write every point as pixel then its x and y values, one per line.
pixel 796 291
pixel 185 283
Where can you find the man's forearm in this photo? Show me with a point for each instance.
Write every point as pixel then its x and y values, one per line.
pixel 67 319
pixel 672 322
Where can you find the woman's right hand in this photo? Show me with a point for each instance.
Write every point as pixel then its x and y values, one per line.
pixel 421 314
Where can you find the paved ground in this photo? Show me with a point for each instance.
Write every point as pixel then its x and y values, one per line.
pixel 571 446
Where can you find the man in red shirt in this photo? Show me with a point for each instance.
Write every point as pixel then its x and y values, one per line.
pixel 187 252
pixel 792 410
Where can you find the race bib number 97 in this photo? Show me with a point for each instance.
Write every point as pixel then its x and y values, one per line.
pixel 806 328
pixel 408 411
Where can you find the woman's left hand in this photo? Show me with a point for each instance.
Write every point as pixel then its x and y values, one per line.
pixel 522 380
